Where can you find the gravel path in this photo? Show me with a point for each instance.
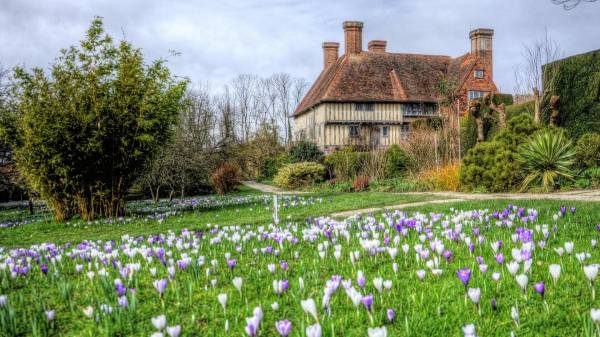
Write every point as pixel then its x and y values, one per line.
pixel 449 197
pixel 268 188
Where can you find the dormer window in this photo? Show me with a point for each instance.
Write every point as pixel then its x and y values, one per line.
pixel 479 73
pixel 363 106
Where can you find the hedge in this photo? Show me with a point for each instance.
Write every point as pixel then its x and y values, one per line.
pixel 577 83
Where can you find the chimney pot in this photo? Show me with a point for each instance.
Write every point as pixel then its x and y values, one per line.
pixel 377 46
pixel 353 37
pixel 330 53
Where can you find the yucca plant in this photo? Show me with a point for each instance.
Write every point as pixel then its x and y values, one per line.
pixel 547 157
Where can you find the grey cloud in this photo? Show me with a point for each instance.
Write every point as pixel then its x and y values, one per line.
pixel 221 39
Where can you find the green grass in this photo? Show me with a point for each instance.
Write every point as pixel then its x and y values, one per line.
pixel 257 213
pixel 435 306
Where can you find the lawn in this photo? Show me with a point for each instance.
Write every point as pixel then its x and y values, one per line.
pixel 246 207
pixel 209 280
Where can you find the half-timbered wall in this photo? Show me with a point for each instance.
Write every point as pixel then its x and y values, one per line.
pixel 328 124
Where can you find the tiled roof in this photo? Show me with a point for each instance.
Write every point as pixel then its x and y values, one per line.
pixel 385 77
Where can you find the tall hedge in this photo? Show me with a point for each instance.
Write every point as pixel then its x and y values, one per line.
pixel 577 83
pixel 490 123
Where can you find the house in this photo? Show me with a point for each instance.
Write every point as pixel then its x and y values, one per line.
pixel 371 97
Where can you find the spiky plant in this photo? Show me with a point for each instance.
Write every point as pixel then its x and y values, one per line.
pixel 545 158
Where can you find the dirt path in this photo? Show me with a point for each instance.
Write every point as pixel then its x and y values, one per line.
pixel 268 188
pixel 449 197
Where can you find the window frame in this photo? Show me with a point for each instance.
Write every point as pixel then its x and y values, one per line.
pixel 475 94
pixel 364 107
pixel 476 72
pixel 385 131
pixel 355 134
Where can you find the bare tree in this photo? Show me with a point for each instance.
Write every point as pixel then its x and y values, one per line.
pixel 529 76
pixel 244 87
pixel 570 4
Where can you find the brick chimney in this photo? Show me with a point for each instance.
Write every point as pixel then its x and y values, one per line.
pixel 330 53
pixel 377 46
pixel 481 46
pixel 353 37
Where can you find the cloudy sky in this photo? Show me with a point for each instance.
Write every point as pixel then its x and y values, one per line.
pixel 221 38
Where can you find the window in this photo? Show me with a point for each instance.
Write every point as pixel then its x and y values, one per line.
pixel 353 130
pixel 363 106
pixel 476 94
pixel 385 131
pixel 404 131
pixel 479 73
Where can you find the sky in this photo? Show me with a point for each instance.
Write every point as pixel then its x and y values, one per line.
pixel 216 40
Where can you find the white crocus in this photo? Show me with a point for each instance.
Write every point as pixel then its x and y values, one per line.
pixel 595 313
pixel 237 283
pixel 474 294
pixel 554 270
pixel 512 267
pixel 159 322
pixel 313 330
pixel 378 283
pixel 569 247
pixel 310 307
pixel 222 298
pixel 522 280
pixel 591 272
pixel 377 332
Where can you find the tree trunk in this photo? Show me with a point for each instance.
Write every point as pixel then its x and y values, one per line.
pixel 30 204
pixel 480 134
pixel 536 105
pixel 502 116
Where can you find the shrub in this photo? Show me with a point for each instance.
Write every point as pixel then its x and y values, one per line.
pixel 490 166
pixel 445 178
pixel 588 150
pixel 299 175
pixel 396 162
pixel 271 165
pixel 345 164
pixel 589 178
pixel 225 178
pixel 304 151
pixel 547 157
pixel 518 130
pixel 361 183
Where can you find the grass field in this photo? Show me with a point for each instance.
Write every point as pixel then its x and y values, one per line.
pixel 356 271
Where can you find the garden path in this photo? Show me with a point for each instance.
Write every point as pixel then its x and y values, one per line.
pixel 268 188
pixel 586 195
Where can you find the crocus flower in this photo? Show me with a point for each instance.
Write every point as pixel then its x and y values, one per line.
pixel 123 301
pixel 464 275
pixel 474 294
pixel 367 301
pixel 237 283
pixel 421 274
pixel 499 258
pixel 494 304
pixel 313 330
pixel 522 280
pixel 514 314
pixel 3 300
pixel 554 270
pixel 377 332
pixel 160 285
pixel 284 327
pixel 44 268
pixel 591 272
pixel 595 314
pixel 50 315
pixel 159 322
pixel 88 311
pixel 222 298
pixel 174 331
pixel 540 288
pixel 391 314
pixel 469 330
pixel 310 307
pixel 231 263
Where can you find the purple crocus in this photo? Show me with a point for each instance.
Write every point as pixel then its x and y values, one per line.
pixel 123 302
pixel 447 254
pixel 284 265
pixel 50 315
pixel 540 288
pixel 573 209
pixel 367 301
pixel 494 304
pixel 464 275
pixel 283 327
pixel 231 263
pixel 391 314
pixel 499 258
pixel 44 268
pixel 563 209
pixel 160 285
